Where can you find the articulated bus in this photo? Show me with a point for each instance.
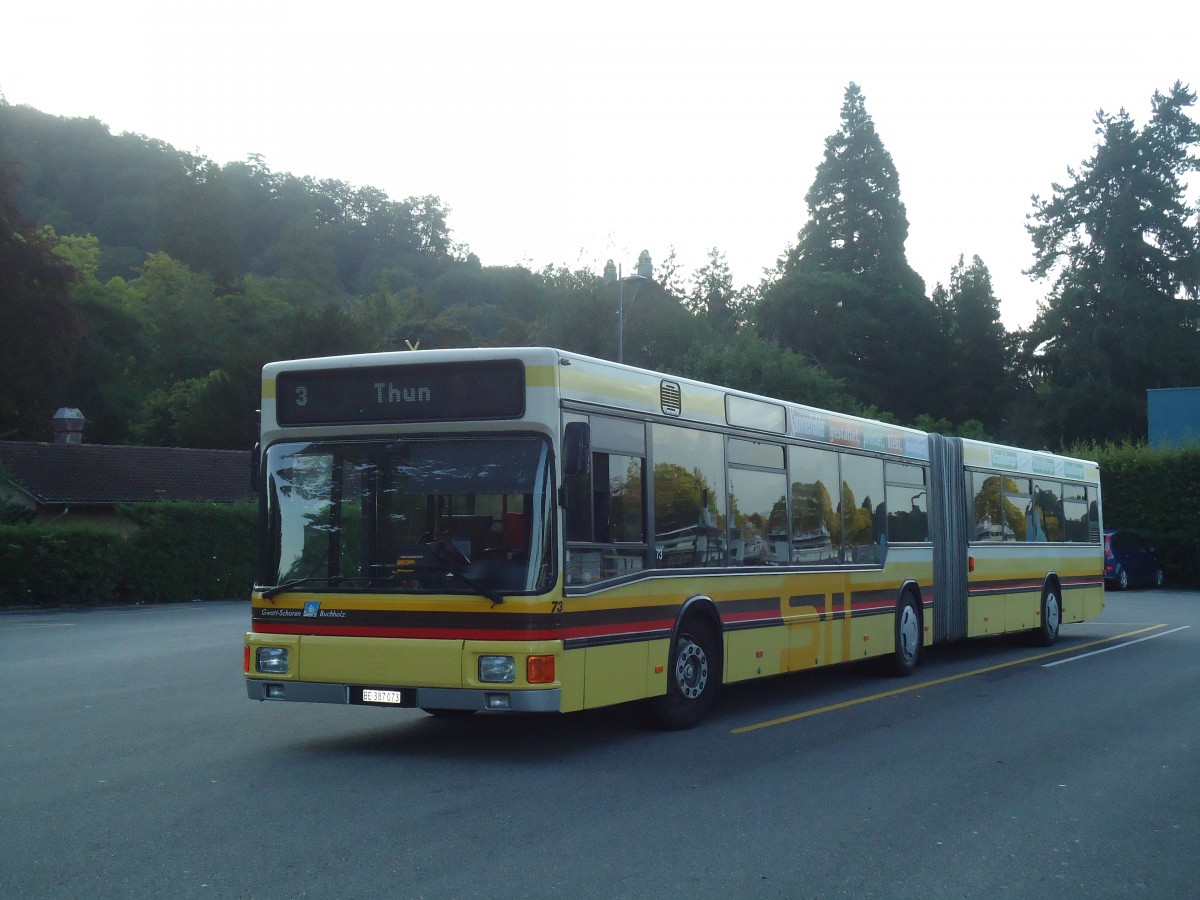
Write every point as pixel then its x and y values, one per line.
pixel 533 530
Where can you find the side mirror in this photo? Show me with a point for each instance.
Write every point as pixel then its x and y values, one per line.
pixel 577 449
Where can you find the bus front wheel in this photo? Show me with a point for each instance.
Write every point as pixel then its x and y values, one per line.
pixel 693 675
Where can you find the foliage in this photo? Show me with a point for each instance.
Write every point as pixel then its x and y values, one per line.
pixel 176 279
pixel 750 364
pixel 14 513
pixel 188 551
pixel 179 552
pixel 857 223
pixel 714 295
pixel 976 347
pixel 39 323
pixel 847 297
pixel 1124 250
pixel 1154 491
pixel 60 566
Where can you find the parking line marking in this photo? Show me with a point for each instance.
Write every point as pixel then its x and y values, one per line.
pixel 783 720
pixel 1059 662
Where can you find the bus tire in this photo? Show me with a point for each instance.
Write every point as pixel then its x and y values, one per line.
pixel 1051 617
pixel 907 654
pixel 693 676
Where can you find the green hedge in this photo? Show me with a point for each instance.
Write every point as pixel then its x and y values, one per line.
pixel 69 566
pixel 1157 494
pixel 190 551
pixel 179 552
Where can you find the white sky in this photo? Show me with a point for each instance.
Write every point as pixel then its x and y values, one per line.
pixel 573 132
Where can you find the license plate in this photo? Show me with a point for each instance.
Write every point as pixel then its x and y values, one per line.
pixel 370 695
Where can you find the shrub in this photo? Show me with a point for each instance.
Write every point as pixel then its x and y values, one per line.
pixel 188 551
pixel 178 552
pixel 1155 492
pixel 60 566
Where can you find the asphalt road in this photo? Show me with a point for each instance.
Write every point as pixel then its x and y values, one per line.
pixel 134 766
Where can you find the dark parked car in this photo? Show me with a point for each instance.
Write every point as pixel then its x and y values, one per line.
pixel 1129 560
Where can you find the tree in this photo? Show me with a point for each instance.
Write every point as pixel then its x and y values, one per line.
pixel 108 378
pixel 40 325
pixel 1122 246
pixel 714 296
pixel 189 328
pixel 857 224
pixel 847 297
pixel 977 346
pixel 668 274
pixel 212 411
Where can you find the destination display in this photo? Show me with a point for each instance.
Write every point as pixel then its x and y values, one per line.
pixel 422 392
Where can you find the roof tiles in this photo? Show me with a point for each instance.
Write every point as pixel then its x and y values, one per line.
pixel 103 474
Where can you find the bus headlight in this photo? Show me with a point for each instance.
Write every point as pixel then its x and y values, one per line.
pixel 272 660
pixel 497 669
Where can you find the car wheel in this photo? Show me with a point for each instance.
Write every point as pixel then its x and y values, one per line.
pixel 1159 578
pixel 1123 580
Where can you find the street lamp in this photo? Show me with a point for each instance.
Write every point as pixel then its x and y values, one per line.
pixel 621 310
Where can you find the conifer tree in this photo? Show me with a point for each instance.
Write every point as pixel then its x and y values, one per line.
pixel 848 297
pixel 1122 246
pixel 714 296
pixel 977 347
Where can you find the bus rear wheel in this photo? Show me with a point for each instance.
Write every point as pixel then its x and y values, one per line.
pixel 1047 632
pixel 907 655
pixel 693 675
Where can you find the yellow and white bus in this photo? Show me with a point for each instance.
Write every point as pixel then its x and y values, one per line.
pixel 534 530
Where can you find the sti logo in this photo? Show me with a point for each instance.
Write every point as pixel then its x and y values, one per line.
pixel 312 609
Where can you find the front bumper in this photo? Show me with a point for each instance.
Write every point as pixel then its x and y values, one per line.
pixel 498 699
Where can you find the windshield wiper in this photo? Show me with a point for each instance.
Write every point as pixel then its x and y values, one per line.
pixel 445 556
pixel 285 586
pixel 495 596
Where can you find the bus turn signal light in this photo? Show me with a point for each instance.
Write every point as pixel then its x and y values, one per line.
pixel 539 670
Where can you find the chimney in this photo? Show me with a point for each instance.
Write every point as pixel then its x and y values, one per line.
pixel 644 268
pixel 610 272
pixel 68 426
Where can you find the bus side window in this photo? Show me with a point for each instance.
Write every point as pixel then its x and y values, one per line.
pixel 606 507
pixel 579 506
pixel 862 508
pixel 816 529
pixel 990 521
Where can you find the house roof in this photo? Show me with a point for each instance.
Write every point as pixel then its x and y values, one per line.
pixel 84 474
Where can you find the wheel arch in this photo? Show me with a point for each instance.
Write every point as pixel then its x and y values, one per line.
pixel 912 587
pixel 702 608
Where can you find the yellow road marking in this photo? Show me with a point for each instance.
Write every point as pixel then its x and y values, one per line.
pixel 926 684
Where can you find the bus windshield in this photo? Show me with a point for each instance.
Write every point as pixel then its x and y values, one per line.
pixel 381 515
